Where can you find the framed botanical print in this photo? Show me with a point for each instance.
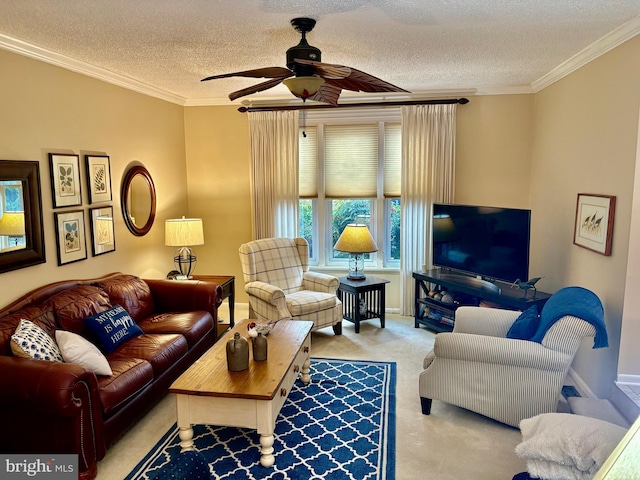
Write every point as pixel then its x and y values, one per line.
pixel 98 178
pixel 102 233
pixel 65 180
pixel 593 227
pixel 70 236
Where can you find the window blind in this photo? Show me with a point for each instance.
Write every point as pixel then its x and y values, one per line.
pixel 392 159
pixel 351 161
pixel 308 158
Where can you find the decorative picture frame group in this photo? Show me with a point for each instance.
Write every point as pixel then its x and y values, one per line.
pixel 593 227
pixel 66 190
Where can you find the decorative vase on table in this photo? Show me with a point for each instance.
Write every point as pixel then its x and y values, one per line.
pixel 260 348
pixel 237 353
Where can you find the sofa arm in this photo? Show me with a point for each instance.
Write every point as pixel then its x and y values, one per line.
pixel 320 282
pixel 51 407
pixel 494 322
pixel 185 296
pixel 495 350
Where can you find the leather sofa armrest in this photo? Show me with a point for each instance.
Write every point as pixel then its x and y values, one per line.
pixel 55 394
pixel 185 296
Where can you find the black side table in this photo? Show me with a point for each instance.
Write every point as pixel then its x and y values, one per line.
pixel 362 299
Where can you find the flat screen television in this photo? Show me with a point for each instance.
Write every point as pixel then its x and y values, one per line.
pixel 489 242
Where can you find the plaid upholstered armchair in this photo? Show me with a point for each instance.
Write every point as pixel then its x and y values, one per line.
pixel 479 368
pixel 280 285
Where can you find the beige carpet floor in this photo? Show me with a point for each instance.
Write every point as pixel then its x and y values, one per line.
pixel 449 444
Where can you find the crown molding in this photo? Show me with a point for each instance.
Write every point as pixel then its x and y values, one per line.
pixel 616 37
pixel 22 48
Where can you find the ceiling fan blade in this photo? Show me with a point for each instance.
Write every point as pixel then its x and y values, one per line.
pixel 267 72
pixel 327 93
pixel 256 88
pixel 349 78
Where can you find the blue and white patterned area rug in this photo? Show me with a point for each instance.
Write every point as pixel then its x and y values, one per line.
pixel 340 426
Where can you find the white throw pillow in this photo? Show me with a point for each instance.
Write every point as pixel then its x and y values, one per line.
pixel 569 446
pixel 77 349
pixel 30 341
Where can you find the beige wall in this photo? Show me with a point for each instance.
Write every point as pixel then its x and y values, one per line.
pixel 49 109
pixel 217 146
pixel 493 151
pixel 586 128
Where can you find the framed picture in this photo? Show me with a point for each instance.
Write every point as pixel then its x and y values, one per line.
pixel 594 222
pixel 70 236
pixel 65 180
pixel 98 178
pixel 102 233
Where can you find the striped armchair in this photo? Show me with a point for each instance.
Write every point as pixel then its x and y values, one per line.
pixel 476 367
pixel 280 285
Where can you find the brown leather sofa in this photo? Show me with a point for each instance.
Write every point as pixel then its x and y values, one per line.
pixel 53 407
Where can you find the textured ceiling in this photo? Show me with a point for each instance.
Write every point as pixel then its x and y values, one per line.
pixel 491 46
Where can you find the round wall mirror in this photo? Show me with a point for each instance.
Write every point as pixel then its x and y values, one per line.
pixel 138 199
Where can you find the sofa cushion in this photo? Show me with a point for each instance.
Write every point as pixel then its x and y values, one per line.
pixel 193 325
pixel 72 306
pixel 112 328
pixel 162 351
pixel 40 315
pixel 79 350
pixel 306 301
pixel 132 293
pixel 129 376
pixel 30 341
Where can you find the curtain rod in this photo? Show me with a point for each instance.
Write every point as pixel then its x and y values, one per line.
pixel 461 101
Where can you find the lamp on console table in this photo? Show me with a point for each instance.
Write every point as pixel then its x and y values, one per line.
pixel 356 240
pixel 184 232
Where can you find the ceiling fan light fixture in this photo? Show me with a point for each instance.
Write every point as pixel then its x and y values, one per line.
pixel 304 87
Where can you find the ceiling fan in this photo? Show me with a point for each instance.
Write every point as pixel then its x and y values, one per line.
pixel 308 78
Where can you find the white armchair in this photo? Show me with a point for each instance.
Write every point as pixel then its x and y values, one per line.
pixel 280 285
pixel 476 367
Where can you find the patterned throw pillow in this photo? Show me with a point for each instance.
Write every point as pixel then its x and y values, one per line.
pixel 79 350
pixel 30 341
pixel 112 327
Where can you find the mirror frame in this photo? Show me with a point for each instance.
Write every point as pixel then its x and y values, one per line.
pixel 124 194
pixel 28 172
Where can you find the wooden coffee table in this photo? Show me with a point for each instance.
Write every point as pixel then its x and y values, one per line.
pixel 208 393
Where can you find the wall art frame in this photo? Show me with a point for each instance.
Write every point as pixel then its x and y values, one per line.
pixel 70 236
pixel 98 178
pixel 65 179
pixel 103 238
pixel 593 227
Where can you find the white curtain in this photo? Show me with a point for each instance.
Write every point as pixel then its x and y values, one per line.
pixel 274 173
pixel 428 175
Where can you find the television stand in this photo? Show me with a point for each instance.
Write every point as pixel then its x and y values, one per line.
pixel 474 282
pixel 466 291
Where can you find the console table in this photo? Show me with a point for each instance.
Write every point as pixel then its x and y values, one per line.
pixel 370 291
pixel 465 290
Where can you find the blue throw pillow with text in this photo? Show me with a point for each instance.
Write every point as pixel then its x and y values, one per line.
pixel 112 327
pixel 525 325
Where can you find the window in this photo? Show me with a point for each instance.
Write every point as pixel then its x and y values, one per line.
pixel 350 173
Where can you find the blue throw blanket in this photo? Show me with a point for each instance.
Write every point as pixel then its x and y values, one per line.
pixel 577 302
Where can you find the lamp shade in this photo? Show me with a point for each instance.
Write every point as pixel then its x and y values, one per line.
pixel 304 87
pixel 183 232
pixel 12 224
pixel 356 238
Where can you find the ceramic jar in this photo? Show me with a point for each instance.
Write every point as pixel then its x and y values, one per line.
pixel 237 353
pixel 260 348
